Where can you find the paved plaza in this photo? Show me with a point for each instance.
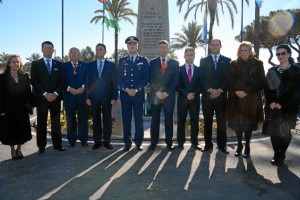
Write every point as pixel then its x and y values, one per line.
pixel 83 173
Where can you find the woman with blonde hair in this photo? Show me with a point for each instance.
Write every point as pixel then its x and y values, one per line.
pixel 15 93
pixel 246 80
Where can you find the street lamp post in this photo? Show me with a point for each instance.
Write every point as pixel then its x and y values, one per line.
pixel 62 30
pixel 242 20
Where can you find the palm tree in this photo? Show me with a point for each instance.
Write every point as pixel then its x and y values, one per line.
pixel 190 37
pixel 3 58
pixel 33 57
pixel 211 8
pixel 120 11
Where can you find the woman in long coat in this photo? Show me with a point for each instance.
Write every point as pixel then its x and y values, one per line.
pixel 15 93
pixel 286 98
pixel 246 80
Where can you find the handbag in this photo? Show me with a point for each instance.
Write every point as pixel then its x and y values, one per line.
pixel 276 126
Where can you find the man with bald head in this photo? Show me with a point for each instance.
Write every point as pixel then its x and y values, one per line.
pixel 74 99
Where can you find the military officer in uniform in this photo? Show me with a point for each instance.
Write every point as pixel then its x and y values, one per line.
pixel 133 76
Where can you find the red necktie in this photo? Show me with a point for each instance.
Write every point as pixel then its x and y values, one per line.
pixel 163 67
pixel 190 73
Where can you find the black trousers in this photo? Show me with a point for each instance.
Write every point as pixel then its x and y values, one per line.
pixel 209 107
pixel 100 133
pixel 184 107
pixel 42 116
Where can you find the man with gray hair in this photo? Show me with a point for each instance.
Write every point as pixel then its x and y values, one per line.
pixel 74 99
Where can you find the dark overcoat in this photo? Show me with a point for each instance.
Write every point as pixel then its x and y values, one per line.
pixel 287 95
pixel 14 96
pixel 247 76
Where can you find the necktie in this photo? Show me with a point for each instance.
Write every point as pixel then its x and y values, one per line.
pixel 131 58
pixel 74 68
pixel 215 61
pixel 48 66
pixel 163 67
pixel 100 67
pixel 190 72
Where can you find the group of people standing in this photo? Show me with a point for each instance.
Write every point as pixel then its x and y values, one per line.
pixel 232 91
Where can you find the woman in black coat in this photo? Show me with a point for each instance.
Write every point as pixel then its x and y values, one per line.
pixel 286 98
pixel 15 93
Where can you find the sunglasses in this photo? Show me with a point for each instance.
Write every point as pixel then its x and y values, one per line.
pixel 282 54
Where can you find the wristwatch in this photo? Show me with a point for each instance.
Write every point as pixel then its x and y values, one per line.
pixel 136 90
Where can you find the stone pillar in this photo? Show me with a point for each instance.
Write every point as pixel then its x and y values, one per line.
pixel 152 26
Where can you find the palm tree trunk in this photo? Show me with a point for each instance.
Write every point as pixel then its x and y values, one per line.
pixel 271 56
pixel 116 47
pixel 210 35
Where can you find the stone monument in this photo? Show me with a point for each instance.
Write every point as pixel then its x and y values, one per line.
pixel 152 26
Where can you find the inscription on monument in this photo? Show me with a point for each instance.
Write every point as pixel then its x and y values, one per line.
pixel 152 26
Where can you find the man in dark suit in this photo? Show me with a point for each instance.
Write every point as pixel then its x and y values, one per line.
pixel 188 99
pixel 213 70
pixel 164 74
pixel 102 93
pixel 47 79
pixel 133 76
pixel 74 99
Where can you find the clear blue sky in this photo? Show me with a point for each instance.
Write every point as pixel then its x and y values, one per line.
pixel 26 24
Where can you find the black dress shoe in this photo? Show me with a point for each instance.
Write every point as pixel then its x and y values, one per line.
pixel 180 146
pixel 126 147
pixel 196 146
pixel 274 161
pixel 224 150
pixel 139 148
pixel 108 145
pixel 237 154
pixel 59 149
pixel 247 152
pixel 96 146
pixel 41 151
pixel 84 144
pixel 171 147
pixel 71 145
pixel 207 148
pixel 152 147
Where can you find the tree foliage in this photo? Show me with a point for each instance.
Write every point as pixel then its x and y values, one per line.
pixel 120 11
pixel 190 37
pixel 210 8
pixel 121 53
pixel 269 41
pixel 87 54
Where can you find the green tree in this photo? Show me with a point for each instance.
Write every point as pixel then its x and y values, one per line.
pixel 33 57
pixel 87 54
pixel 190 37
pixel 211 8
pixel 267 40
pixel 120 11
pixel 121 53
pixel 3 58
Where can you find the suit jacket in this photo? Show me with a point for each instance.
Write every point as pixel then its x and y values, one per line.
pixel 133 76
pixel 74 80
pixel 211 77
pixel 166 83
pixel 43 82
pixel 102 89
pixel 185 86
